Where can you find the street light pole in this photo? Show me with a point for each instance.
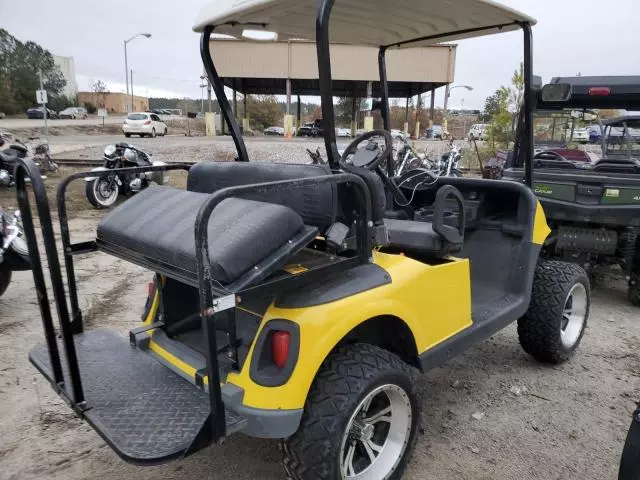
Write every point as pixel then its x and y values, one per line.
pixel 126 73
pixel 129 106
pixel 447 94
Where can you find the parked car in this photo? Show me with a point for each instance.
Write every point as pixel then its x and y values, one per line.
pixel 595 133
pixel 37 113
pixel 311 129
pixel 2 115
pixel 398 134
pixel 580 135
pixel 73 112
pixel 274 131
pixel 343 132
pixel 143 124
pixel 478 131
pixel 434 132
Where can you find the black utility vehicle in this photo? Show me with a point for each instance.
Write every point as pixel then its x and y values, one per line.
pixel 593 209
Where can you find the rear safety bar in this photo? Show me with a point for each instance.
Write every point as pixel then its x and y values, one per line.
pixel 216 302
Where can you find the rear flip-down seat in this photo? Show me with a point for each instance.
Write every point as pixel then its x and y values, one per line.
pixel 156 229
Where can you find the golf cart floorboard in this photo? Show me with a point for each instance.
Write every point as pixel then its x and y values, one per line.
pixel 146 412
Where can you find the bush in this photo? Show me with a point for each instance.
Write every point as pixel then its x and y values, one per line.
pixel 91 108
pixel 60 102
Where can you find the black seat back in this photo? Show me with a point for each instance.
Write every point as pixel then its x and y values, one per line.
pixel 318 206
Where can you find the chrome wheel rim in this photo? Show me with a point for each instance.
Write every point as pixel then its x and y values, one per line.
pixel 574 315
pixel 377 435
pixel 104 194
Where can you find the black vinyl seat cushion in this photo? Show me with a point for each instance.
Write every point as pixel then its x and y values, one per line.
pixel 414 236
pixel 317 205
pixel 159 224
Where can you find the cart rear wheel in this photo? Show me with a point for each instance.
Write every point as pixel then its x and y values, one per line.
pixel 553 327
pixel 360 419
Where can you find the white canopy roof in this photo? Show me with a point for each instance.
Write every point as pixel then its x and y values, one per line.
pixel 363 22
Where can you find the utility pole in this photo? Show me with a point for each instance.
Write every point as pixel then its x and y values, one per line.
pixel 126 73
pixel 45 112
pixel 131 80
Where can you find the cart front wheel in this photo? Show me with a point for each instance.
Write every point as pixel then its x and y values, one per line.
pixel 555 322
pixel 360 419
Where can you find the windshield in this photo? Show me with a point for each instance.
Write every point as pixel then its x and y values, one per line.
pixel 137 116
pixel 559 127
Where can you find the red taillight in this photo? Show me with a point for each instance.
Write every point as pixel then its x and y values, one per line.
pixel 150 289
pixel 599 91
pixel 148 122
pixel 280 342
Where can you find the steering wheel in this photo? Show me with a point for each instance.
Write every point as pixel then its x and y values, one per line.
pixel 550 153
pixel 370 156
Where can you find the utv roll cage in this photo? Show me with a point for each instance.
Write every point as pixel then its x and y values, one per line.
pixel 586 93
pixel 217 302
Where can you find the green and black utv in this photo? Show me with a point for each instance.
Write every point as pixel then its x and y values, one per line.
pixel 593 208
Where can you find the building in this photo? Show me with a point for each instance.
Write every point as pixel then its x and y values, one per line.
pixel 113 102
pixel 68 69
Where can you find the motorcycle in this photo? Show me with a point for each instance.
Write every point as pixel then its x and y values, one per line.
pixel 448 164
pixel 14 254
pixel 103 191
pixel 11 149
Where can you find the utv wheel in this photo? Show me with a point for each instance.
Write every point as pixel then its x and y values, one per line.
pixel 360 419
pixel 5 280
pixel 553 326
pixel 128 135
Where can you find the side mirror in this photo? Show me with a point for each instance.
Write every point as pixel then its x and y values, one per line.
pixel 556 92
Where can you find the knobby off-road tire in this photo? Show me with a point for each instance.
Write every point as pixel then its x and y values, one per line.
pixel 555 322
pixel 337 404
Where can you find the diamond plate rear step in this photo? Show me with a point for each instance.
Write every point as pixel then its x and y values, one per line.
pixel 147 413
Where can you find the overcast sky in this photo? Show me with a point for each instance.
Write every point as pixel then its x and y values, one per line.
pixel 587 36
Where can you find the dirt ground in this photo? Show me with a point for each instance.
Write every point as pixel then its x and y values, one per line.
pixel 539 422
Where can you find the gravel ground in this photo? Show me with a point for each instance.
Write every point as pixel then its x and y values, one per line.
pixel 535 422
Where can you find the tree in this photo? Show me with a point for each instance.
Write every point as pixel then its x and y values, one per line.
pixel 20 64
pixel 497 105
pixel 98 86
pixel 264 111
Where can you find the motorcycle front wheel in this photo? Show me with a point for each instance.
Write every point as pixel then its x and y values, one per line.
pixel 101 192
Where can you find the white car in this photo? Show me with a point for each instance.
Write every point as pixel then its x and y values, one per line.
pixel 343 132
pixel 398 134
pixel 580 135
pixel 143 124
pixel 73 113
pixel 478 131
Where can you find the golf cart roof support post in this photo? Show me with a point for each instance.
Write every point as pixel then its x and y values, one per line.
pixel 324 76
pixel 384 93
pixel 527 136
pixel 218 88
pixel 27 168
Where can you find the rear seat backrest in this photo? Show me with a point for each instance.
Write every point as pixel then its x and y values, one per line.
pixel 316 205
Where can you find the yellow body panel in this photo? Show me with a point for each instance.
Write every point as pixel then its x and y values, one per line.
pixel 434 301
pixel 540 228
